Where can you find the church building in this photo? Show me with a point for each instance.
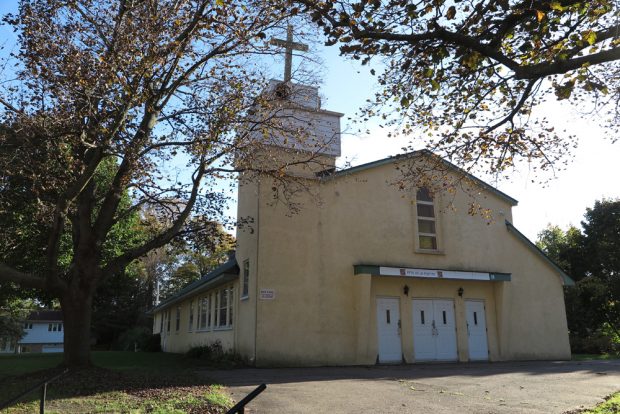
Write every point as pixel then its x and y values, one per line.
pixel 385 262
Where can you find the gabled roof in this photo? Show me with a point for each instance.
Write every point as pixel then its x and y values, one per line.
pixel 45 316
pixel 224 273
pixel 414 154
pixel 568 281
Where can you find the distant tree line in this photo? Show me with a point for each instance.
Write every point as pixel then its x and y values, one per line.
pixel 591 256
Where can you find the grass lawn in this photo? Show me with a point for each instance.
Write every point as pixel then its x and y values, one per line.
pixel 121 382
pixel 611 406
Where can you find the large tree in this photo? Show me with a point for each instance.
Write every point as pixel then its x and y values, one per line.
pixel 470 73
pixel 156 90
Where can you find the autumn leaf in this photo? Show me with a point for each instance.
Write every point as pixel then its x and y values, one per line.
pixel 540 15
pixel 589 36
pixel 451 13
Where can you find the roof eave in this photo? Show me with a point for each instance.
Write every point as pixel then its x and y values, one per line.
pixel 211 283
pixel 513 202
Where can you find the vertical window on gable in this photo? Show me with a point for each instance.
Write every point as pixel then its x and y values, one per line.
pixel 246 279
pixel 161 322
pixel 427 231
pixel 168 320
pixel 191 316
pixel 178 319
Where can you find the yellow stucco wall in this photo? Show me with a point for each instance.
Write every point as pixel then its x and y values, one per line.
pixel 181 340
pixel 323 314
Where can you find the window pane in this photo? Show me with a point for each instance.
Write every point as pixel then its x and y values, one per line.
pixel 209 304
pixel 231 301
pixel 424 195
pixel 426 226
pixel 246 278
pixel 426 210
pixel 223 303
pixel 428 242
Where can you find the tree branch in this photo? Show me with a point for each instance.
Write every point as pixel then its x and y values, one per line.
pixel 562 66
pixel 8 274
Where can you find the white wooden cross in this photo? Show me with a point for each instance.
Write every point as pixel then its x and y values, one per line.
pixel 289 45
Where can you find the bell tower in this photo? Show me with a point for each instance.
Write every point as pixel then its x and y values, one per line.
pixel 299 128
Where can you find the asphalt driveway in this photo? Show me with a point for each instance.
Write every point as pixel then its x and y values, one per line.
pixel 504 387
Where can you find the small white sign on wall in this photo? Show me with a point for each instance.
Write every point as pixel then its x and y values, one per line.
pixel 267 294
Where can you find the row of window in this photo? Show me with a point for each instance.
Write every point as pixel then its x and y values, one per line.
pixel 213 310
pixel 52 327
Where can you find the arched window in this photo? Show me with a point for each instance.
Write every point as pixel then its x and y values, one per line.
pixel 427 225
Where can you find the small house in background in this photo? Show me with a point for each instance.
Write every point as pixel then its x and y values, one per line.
pixel 44 332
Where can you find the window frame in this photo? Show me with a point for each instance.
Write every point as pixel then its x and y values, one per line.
pixel 419 201
pixel 190 324
pixel 229 308
pixel 203 308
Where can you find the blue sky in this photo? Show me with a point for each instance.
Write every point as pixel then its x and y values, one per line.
pixel 592 175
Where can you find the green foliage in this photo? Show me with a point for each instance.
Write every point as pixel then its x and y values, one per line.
pixel 105 98
pixel 13 314
pixel 123 382
pixel 133 339
pixel 153 344
pixel 214 355
pixel 592 258
pixel 610 406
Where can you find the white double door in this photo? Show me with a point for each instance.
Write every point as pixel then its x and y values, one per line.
pixel 434 330
pixel 476 330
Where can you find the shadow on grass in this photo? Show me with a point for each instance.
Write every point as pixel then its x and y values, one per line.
pixel 145 376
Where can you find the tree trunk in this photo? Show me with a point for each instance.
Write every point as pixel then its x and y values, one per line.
pixel 77 313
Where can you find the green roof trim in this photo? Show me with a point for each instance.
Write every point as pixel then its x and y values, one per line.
pixel 222 274
pixel 388 160
pixel 375 270
pixel 501 277
pixel 568 281
pixel 366 269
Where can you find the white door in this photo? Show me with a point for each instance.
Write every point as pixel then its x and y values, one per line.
pixel 434 330
pixel 388 330
pixel 476 330
pixel 423 331
pixel 445 330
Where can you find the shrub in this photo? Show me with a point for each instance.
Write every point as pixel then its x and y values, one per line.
pixel 153 344
pixel 213 354
pixel 596 343
pixel 136 337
